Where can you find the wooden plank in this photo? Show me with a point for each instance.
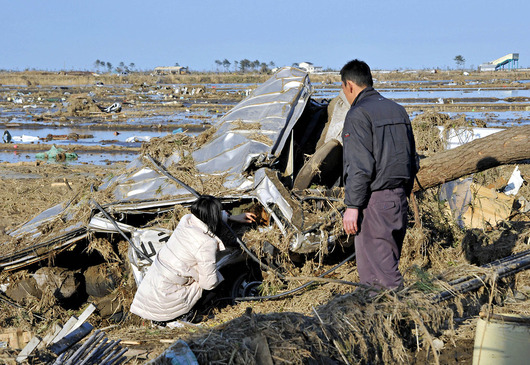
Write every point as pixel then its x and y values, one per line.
pixel 66 328
pixel 83 317
pixel 130 342
pixel 26 351
pixel 50 336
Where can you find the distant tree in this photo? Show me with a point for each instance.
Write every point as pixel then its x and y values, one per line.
pixel 97 64
pixel 244 65
pixel 256 64
pixel 264 68
pixel 460 60
pixel 132 66
pixel 219 63
pixel 271 64
pixel 236 63
pixel 109 66
pixel 177 64
pixel 226 64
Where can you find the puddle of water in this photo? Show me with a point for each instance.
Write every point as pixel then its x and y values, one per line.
pixel 95 158
pixel 152 99
pixel 328 93
pixel 97 136
pixel 458 93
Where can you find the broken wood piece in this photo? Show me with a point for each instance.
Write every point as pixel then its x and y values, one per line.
pixel 67 184
pixel 58 185
pixel 46 340
pixel 66 328
pixel 72 338
pixel 138 354
pixel 15 338
pixel 487 206
pixel 128 342
pixel 83 317
pixel 26 351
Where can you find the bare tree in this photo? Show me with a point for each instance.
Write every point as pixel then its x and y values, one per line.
pixel 460 60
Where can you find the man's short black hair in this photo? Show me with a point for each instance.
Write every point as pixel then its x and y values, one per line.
pixel 358 72
pixel 208 209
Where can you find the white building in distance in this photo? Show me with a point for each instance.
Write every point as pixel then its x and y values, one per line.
pixel 309 67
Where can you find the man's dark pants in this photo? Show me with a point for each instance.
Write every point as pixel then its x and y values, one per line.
pixel 378 244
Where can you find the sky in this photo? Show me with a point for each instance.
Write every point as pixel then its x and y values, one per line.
pixel 387 34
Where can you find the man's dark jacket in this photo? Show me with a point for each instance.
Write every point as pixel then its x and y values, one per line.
pixel 379 148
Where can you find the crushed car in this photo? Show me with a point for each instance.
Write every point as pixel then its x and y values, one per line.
pixel 277 153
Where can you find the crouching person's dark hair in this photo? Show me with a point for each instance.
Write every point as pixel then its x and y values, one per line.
pixel 208 209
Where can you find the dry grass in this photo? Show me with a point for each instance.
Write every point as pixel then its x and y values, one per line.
pixel 43 78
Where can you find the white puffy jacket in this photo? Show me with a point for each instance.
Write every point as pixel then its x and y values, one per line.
pixel 183 267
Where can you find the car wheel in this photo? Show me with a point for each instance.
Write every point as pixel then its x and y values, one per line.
pixel 245 286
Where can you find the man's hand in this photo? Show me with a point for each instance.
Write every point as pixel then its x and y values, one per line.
pixel 350 220
pixel 243 218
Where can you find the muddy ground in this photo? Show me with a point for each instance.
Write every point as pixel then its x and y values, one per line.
pixel 436 249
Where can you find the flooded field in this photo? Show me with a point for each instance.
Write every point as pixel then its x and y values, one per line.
pixel 38 116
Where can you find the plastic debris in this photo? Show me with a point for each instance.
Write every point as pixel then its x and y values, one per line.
pixel 178 353
pixel 57 154
pixel 515 182
pixel 138 139
pixel 25 138
pixel 114 108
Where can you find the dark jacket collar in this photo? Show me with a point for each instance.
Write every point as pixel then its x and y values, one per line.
pixel 366 91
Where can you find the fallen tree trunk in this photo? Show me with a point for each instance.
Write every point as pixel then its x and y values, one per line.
pixel 505 147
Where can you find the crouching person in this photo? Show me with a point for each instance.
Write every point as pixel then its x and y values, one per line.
pixel 185 265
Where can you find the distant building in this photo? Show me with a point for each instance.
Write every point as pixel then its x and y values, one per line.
pixel 309 67
pixel 511 60
pixel 171 70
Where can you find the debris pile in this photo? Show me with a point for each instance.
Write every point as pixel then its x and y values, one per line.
pixel 90 249
pixel 79 105
pixel 350 329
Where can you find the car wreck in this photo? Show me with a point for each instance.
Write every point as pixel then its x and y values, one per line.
pixel 254 158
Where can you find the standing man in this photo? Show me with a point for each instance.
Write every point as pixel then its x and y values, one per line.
pixel 379 169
